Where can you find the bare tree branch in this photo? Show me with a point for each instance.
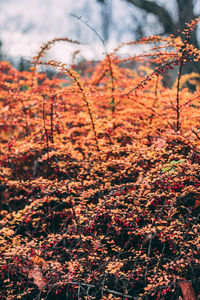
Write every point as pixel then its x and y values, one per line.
pixel 164 17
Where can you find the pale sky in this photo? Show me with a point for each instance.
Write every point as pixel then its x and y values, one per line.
pixel 26 24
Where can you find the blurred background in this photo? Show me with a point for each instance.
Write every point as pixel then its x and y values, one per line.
pixel 26 24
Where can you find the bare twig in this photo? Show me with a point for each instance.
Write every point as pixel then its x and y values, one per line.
pixel 108 57
pixel 93 286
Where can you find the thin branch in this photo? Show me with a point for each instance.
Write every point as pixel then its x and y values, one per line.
pixel 108 57
pixel 46 135
pixel 93 286
pixel 177 98
pixel 196 134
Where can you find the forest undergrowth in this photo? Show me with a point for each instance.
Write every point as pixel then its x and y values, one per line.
pixel 100 176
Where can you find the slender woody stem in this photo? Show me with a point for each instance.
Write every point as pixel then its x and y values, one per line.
pixel 177 98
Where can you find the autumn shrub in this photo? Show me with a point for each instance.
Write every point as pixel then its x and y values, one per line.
pixel 99 178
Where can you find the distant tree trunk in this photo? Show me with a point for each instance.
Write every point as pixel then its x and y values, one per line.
pixel 1 52
pixel 185 15
pixel 106 18
pixel 106 14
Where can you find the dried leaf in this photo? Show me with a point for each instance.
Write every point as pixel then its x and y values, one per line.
pixel 39 280
pixel 187 290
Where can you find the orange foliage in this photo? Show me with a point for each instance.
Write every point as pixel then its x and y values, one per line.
pixel 99 178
